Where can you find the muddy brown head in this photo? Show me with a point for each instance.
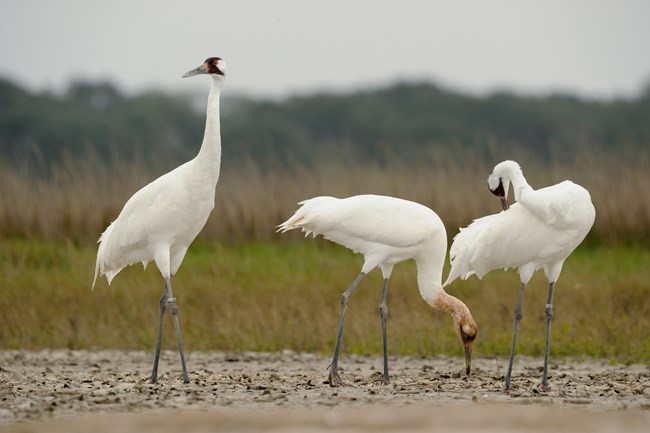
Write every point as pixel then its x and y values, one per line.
pixel 467 333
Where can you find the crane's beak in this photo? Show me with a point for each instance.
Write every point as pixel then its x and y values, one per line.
pixel 504 202
pixel 468 356
pixel 203 69
pixel 502 193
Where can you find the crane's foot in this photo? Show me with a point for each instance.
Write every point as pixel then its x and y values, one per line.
pixel 510 390
pixel 335 379
pixel 385 381
pixel 151 380
pixel 543 388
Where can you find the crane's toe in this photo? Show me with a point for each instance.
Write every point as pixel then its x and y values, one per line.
pixel 335 379
pixel 511 390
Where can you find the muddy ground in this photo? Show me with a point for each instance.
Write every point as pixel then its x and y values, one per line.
pixel 61 390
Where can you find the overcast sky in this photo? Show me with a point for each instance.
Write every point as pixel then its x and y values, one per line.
pixel 592 48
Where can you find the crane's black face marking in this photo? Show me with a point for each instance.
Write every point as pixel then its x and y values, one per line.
pixel 212 65
pixel 499 191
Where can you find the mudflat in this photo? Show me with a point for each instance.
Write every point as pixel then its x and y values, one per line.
pixel 70 391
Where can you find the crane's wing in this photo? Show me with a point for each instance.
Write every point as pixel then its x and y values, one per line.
pixel 370 218
pixel 559 205
pixel 128 239
pixel 509 239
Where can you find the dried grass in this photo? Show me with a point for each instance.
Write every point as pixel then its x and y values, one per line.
pixel 76 200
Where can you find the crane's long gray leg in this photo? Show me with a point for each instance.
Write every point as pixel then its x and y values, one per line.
pixel 518 316
pixel 543 386
pixel 383 311
pixel 173 307
pixel 334 378
pixel 167 300
pixel 161 322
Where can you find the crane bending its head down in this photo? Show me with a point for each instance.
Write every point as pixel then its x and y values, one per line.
pixel 387 230
pixel 160 221
pixel 499 180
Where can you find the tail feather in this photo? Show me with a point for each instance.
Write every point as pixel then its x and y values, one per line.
pixel 92 288
pixel 303 217
pixel 101 265
pixel 311 216
pixel 290 224
pixel 468 244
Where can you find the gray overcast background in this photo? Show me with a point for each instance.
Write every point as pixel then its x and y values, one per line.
pixel 278 48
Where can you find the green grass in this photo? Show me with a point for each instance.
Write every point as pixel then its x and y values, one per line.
pixel 273 295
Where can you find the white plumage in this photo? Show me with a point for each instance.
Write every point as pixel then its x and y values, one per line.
pixel 539 231
pixel 386 230
pixel 160 221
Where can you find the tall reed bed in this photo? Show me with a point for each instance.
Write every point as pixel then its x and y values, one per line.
pixel 77 199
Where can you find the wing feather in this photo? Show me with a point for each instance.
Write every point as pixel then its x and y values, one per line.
pixel 365 218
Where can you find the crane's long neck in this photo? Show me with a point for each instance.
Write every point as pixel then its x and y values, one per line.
pixel 519 185
pixel 430 285
pixel 209 158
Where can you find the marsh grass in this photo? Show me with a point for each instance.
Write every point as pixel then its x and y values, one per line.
pixel 75 201
pixel 244 287
pixel 268 296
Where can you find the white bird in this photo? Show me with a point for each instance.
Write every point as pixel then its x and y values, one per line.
pixel 386 231
pixel 160 221
pixel 539 231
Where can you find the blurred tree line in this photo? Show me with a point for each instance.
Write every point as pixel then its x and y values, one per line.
pixel 405 119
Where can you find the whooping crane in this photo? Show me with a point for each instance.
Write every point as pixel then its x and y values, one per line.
pixel 539 231
pixel 386 231
pixel 160 221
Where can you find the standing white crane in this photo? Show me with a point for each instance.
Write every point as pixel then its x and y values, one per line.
pixel 539 231
pixel 386 231
pixel 160 221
